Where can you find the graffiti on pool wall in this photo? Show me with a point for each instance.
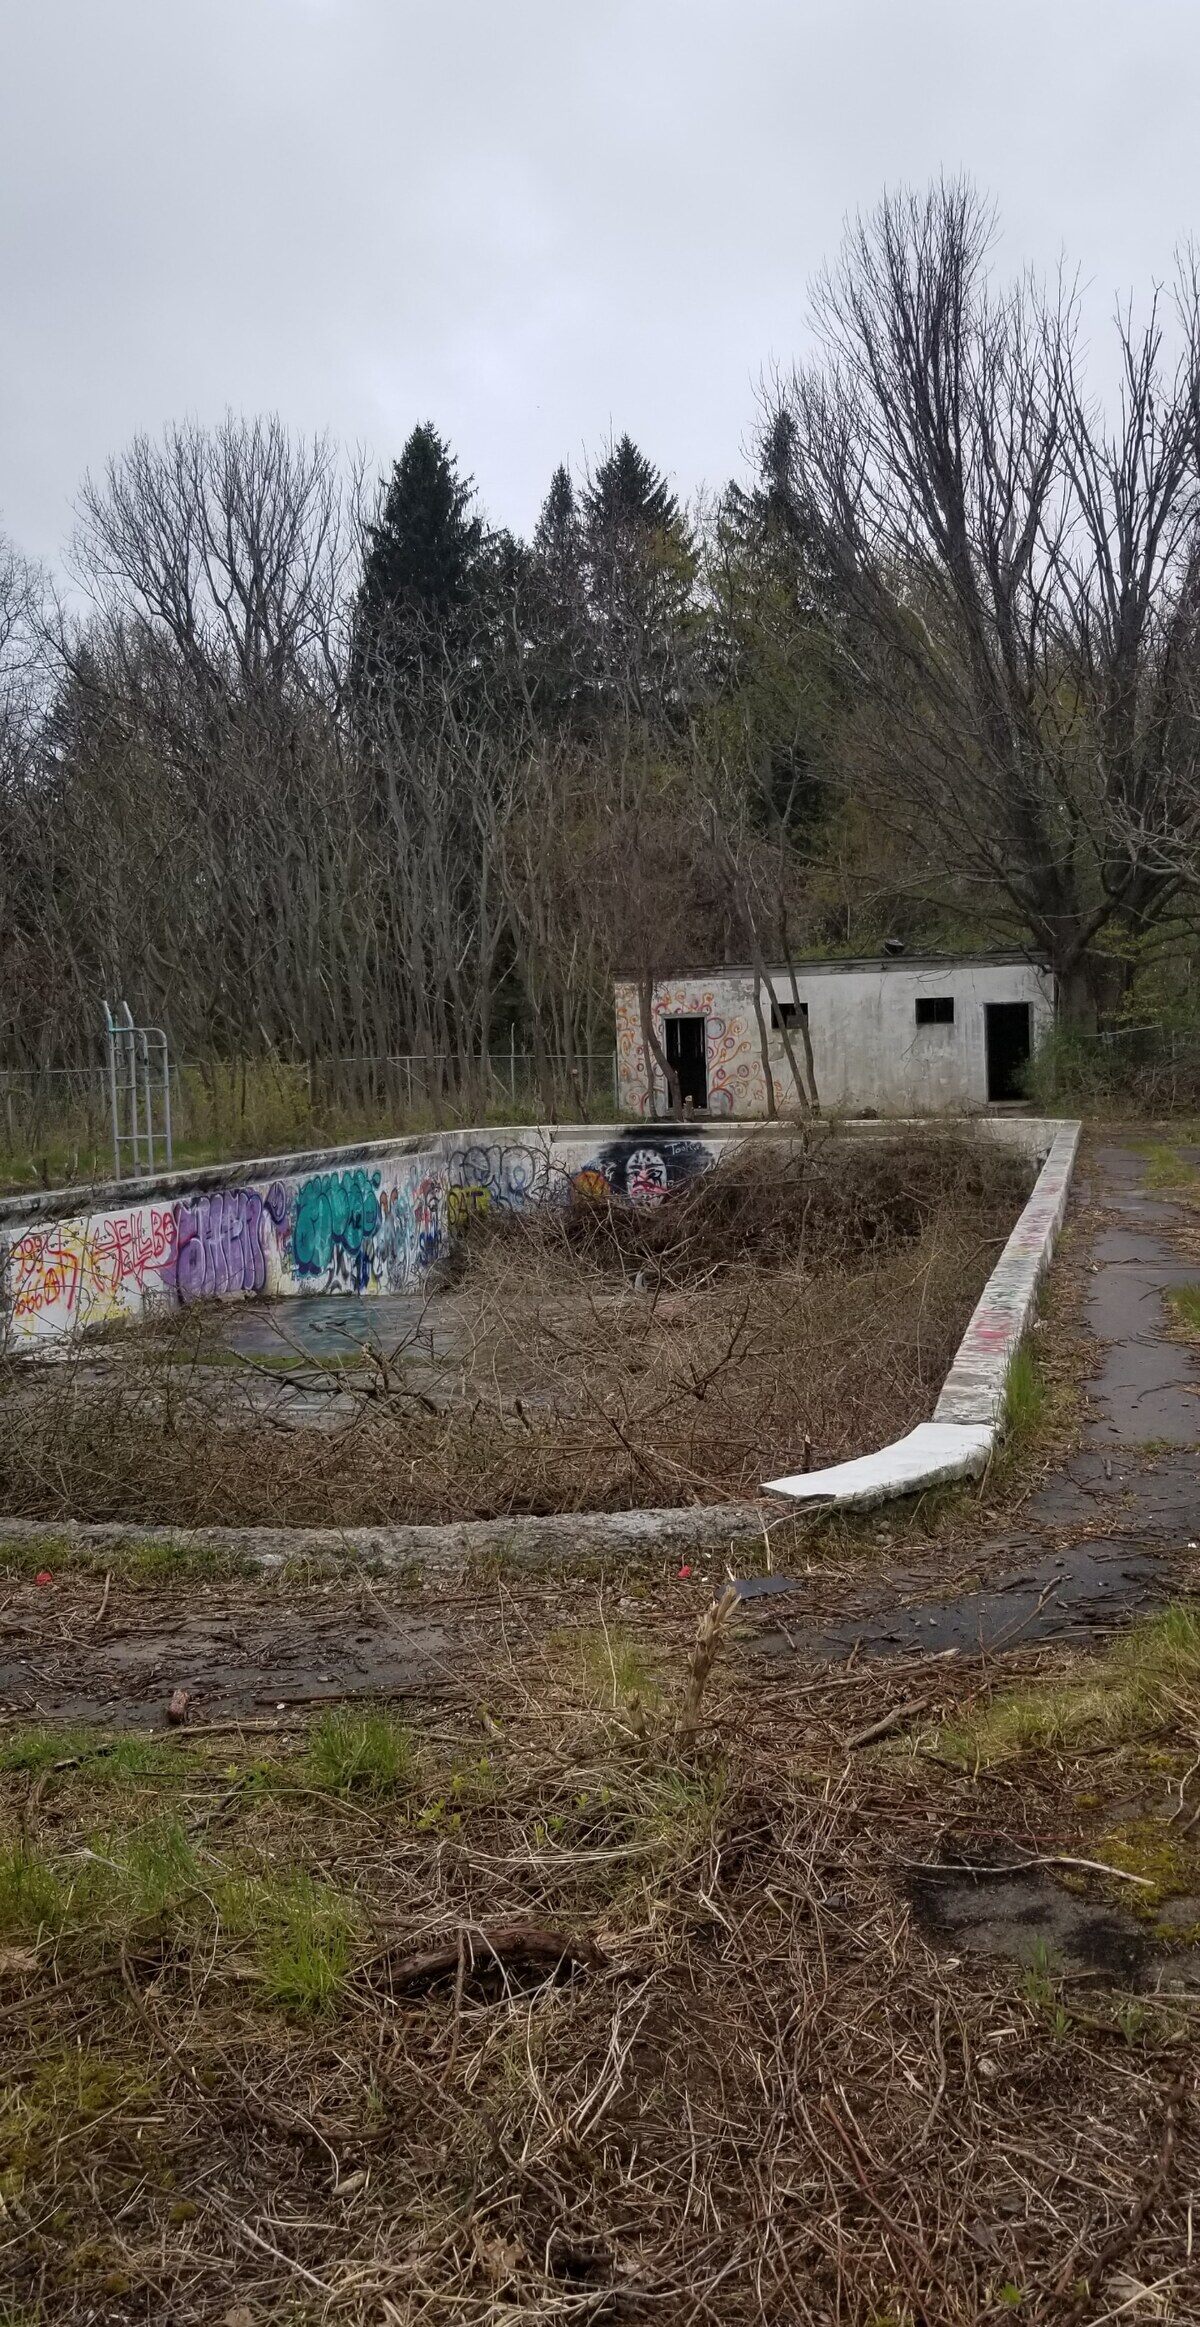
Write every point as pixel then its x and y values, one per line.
pixel 349 1230
pixel 127 1248
pixel 515 1173
pixel 645 1172
pixel 591 1185
pixel 222 1242
pixel 336 1220
pixel 45 1268
pixel 486 1173
pixel 90 1269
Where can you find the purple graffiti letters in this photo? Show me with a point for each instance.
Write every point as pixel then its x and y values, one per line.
pixel 221 1246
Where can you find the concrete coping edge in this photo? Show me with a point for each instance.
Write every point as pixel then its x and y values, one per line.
pixel 969 1416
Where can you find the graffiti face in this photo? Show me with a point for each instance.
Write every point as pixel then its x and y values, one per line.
pixel 645 1176
pixel 645 1173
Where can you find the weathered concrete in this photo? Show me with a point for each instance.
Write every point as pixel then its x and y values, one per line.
pixel 445 1550
pixel 348 1220
pixel 967 1418
pixel 1111 1530
pixel 869 1051
pixel 935 1453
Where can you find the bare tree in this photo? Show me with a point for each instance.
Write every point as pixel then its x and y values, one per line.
pixel 1009 576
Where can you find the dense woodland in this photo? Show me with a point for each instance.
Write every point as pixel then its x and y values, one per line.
pixel 312 765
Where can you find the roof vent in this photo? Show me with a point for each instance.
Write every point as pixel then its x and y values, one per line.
pixel 893 946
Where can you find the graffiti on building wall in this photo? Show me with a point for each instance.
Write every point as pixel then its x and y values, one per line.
pixel 732 1051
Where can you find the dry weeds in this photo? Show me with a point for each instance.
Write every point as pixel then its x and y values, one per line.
pixel 797 1301
pixel 542 2019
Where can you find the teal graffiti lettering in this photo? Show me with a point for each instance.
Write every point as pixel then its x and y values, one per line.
pixel 337 1215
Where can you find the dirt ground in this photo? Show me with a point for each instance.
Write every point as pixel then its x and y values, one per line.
pixel 587 1945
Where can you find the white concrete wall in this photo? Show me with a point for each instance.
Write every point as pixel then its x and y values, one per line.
pixel 868 1051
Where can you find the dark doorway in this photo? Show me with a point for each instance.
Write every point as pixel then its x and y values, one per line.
pixel 1008 1047
pixel 687 1053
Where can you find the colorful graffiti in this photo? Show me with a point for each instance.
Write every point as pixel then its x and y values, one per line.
pixel 127 1248
pixel 735 1076
pixel 515 1173
pixel 45 1268
pixel 223 1243
pixel 353 1229
pixel 90 1270
pixel 591 1185
pixel 337 1217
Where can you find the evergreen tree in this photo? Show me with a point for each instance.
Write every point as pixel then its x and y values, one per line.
pixel 422 567
pixel 641 571
pixel 558 535
pixel 628 495
pixel 557 608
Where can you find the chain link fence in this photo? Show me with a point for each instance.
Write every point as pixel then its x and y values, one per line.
pixel 55 1122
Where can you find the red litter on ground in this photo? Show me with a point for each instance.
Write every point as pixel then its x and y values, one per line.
pixel 685 1571
pixel 43 1576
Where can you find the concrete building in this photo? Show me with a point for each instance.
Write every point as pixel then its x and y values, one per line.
pixel 902 1034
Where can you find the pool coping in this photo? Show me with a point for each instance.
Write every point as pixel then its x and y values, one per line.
pixel 968 1419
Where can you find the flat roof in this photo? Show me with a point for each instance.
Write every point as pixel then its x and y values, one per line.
pixel 835 965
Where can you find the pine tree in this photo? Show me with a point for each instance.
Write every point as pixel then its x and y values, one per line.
pixel 556 603
pixel 422 565
pixel 628 495
pixel 558 535
pixel 641 570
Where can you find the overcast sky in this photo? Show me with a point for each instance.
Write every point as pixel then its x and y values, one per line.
pixel 534 222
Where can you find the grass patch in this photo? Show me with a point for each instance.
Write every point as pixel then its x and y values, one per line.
pixel 1124 1694
pixel 302 1932
pixel 1167 1170
pixel 112 1887
pixel 108 1760
pixel 609 1668
pixel 1185 1302
pixel 1152 1850
pixel 169 1561
pixel 361 1752
pixel 1025 1398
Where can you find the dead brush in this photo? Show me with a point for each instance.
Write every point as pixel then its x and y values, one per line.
pixel 710 1635
pixel 585 2033
pixel 595 1357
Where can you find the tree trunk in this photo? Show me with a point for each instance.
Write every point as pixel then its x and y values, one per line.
pixel 765 1048
pixel 655 1055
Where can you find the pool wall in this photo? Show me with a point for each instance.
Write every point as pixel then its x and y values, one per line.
pixel 366 1219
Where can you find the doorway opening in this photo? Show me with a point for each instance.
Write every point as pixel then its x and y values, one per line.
pixel 687 1053
pixel 1008 1048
